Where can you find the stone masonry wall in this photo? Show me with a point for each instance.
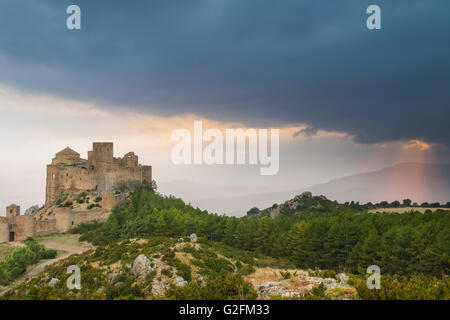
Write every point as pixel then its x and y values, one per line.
pixel 44 227
pixel 23 227
pixel 4 230
pixel 66 219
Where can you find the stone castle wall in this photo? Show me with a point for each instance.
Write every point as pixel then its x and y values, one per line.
pixel 23 227
pixel 44 227
pixel 101 172
pixel 4 230
pixel 66 219
pixel 73 178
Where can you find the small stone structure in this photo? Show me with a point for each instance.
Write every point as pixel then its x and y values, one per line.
pixel 100 174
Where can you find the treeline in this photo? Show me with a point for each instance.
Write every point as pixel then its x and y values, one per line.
pixel 404 244
pixel 353 206
pixel 21 257
pixel 395 204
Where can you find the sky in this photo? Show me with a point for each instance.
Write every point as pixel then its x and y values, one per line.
pixel 346 99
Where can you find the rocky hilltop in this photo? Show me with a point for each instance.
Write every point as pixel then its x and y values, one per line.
pixel 303 203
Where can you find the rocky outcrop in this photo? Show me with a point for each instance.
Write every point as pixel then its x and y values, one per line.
pixel 297 286
pixel 306 194
pixel 31 210
pixel 141 267
pixel 159 287
pixel 272 288
pixel 304 202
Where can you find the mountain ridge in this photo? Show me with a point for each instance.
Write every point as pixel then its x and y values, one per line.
pixel 418 181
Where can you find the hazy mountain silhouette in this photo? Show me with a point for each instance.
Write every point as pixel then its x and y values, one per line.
pixel 420 182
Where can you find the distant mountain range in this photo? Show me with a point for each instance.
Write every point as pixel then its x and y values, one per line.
pixel 420 182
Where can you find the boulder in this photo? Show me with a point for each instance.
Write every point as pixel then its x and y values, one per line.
pixel 141 267
pixel 342 277
pixel 179 282
pixel 193 237
pixel 101 290
pixel 53 282
pixel 179 246
pixel 112 277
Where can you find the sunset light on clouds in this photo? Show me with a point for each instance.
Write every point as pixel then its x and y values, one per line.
pixel 339 113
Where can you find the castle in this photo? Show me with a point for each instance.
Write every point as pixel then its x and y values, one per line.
pixel 77 191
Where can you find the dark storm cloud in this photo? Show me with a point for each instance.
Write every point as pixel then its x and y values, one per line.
pixel 307 132
pixel 260 62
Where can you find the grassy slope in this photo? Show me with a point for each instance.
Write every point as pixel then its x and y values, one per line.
pixel 63 239
pixel 5 250
pixel 97 265
pixel 215 271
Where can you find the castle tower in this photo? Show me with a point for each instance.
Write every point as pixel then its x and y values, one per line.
pixel 12 212
pixel 103 152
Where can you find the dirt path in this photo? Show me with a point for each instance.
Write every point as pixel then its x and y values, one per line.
pixel 50 245
pixel 41 266
pixel 16 244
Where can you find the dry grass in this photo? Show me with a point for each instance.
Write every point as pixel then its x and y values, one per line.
pixel 263 275
pixel 62 238
pixel 406 209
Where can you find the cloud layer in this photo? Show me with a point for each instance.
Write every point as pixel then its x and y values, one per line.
pixel 259 62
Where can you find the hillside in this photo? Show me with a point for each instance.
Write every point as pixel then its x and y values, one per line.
pixel 154 247
pixel 167 268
